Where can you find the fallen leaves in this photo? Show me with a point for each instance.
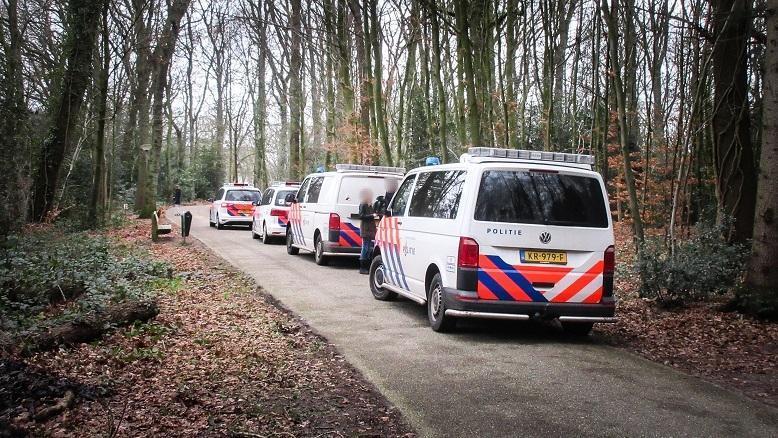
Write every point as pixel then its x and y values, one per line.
pixel 221 358
pixel 725 347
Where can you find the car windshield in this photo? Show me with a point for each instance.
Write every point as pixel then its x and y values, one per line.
pixel 243 195
pixel 281 196
pixel 547 198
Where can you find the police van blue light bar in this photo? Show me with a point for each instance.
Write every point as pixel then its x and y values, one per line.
pixel 522 154
pixel 364 168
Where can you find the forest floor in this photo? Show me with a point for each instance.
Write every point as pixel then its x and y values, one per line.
pixel 221 358
pixel 724 347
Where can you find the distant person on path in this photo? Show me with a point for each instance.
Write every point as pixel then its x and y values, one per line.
pixel 177 196
pixel 367 228
pixel 391 187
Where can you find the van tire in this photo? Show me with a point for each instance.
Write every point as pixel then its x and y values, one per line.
pixel 436 307
pixel 291 250
pixel 318 252
pixel 265 237
pixel 219 226
pixel 379 293
pixel 577 329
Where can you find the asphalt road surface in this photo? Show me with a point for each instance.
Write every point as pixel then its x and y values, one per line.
pixel 488 379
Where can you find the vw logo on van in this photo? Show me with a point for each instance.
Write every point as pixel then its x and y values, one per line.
pixel 545 237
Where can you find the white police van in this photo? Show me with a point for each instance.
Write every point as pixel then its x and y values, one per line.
pixel 323 214
pixel 503 234
pixel 233 205
pixel 271 214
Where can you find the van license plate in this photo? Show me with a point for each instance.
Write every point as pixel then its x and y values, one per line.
pixel 545 257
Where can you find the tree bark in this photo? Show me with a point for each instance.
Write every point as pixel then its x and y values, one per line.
pixel 161 59
pixel 84 18
pixel 762 277
pixel 733 151
pixel 13 132
pixel 99 181
pixel 295 91
pixel 611 19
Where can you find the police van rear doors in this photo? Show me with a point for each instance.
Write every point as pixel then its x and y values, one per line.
pixel 543 234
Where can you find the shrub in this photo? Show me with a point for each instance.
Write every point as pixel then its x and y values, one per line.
pixel 698 269
pixel 47 266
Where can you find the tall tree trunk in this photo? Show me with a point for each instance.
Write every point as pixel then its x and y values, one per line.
pixel 13 129
pixel 295 91
pixel 461 11
pixel 161 59
pixel 611 18
pixel 510 102
pixel 99 181
pixel 440 90
pixel 733 151
pixel 378 92
pixel 84 20
pixel 762 277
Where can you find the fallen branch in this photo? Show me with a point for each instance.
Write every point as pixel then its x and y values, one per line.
pixel 92 327
pixel 64 403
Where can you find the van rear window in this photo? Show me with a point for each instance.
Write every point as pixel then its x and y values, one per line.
pixel 540 198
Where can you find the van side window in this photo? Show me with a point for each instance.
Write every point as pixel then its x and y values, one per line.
pixel 303 190
pixel 437 194
pixel 400 200
pixel 314 190
pixel 219 195
pixel 267 197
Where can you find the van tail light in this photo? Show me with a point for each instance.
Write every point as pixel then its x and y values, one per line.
pixel 334 222
pixel 228 205
pixel 607 274
pixel 279 213
pixel 468 253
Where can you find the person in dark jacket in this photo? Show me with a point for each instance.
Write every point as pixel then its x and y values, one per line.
pixel 177 196
pixel 367 229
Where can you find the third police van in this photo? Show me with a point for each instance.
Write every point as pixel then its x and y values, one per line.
pixel 503 234
pixel 323 214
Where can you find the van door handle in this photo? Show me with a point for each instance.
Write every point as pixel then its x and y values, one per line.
pixel 399 222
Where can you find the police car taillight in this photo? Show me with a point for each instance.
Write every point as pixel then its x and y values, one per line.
pixel 607 273
pixel 277 212
pixel 334 222
pixel 468 253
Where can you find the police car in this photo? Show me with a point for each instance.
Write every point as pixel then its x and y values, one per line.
pixel 503 234
pixel 323 214
pixel 233 205
pixel 271 214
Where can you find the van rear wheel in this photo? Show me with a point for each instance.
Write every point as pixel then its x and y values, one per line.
pixel 578 329
pixel 318 252
pixel 436 307
pixel 291 250
pixel 377 279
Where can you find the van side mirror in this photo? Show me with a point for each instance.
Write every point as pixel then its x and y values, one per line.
pixel 388 212
pixel 210 199
pixel 290 199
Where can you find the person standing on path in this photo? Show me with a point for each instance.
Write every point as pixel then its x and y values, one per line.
pixel 367 228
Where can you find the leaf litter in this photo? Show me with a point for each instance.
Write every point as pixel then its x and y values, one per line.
pixel 222 358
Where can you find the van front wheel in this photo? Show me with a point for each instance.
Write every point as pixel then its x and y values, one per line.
pixel 291 250
pixel 436 307
pixel 377 279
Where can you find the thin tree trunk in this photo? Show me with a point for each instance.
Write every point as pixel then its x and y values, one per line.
pixel 99 182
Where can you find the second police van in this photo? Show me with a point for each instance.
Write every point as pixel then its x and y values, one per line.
pixel 323 218
pixel 503 234
pixel 271 213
